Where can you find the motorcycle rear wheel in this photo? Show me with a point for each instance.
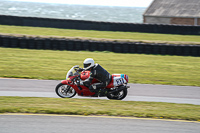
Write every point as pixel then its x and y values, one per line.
pixel 65 91
pixel 118 95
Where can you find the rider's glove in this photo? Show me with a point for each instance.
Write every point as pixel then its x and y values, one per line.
pixel 80 69
pixel 79 82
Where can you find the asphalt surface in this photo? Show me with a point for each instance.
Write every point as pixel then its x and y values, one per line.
pixel 137 92
pixel 70 124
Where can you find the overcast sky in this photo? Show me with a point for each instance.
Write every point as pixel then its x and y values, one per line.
pixel 130 3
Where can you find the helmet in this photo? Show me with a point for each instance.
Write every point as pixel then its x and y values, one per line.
pixel 88 63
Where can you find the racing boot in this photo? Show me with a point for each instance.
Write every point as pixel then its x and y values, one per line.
pixel 102 92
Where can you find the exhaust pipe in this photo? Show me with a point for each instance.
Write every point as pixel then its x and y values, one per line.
pixel 119 89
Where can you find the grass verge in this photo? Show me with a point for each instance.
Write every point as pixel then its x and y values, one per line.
pixel 149 69
pixel 99 107
pixel 89 34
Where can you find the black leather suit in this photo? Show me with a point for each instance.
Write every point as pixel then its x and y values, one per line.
pixel 101 75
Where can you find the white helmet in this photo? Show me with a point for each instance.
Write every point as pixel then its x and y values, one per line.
pixel 88 63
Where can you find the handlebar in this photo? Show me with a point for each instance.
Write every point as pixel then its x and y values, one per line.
pixel 75 79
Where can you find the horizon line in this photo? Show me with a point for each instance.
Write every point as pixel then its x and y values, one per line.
pixel 77 4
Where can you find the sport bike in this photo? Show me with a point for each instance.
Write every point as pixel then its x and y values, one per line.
pixel 116 89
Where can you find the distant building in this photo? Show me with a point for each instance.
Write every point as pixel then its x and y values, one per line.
pixel 182 12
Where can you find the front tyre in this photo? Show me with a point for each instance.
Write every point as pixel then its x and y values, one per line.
pixel 118 95
pixel 65 91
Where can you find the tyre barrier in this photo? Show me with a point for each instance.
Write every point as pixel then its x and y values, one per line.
pixel 102 26
pixel 92 45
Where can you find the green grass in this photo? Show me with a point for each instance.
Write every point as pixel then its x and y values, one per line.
pixel 85 34
pixel 150 69
pixel 99 107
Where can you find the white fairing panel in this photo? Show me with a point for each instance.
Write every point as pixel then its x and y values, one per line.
pixel 118 81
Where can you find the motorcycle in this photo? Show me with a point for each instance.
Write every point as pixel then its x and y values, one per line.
pixel 116 89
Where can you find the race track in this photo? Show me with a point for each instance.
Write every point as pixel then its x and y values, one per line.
pixel 85 124
pixel 137 92
pixel 32 123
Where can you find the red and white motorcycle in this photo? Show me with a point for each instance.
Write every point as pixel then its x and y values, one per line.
pixel 116 89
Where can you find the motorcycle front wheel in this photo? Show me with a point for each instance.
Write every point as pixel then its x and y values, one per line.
pixel 65 91
pixel 117 95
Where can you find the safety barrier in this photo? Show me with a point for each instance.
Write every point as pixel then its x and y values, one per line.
pixel 91 45
pixel 102 26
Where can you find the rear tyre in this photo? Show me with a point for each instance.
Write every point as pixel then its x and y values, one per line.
pixel 65 91
pixel 117 95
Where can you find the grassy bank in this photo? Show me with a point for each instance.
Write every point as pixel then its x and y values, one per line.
pixel 99 107
pixel 151 69
pixel 131 36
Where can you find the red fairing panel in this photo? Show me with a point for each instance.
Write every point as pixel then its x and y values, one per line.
pixel 126 77
pixel 83 91
pixel 64 82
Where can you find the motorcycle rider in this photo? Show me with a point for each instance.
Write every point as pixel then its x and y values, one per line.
pixel 97 72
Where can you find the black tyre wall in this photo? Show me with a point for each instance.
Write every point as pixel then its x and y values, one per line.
pixel 102 26
pixel 91 45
